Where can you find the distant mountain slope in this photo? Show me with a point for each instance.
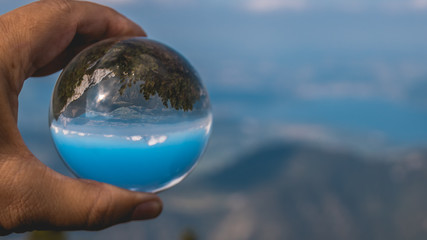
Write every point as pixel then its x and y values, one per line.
pixel 291 191
pixel 253 169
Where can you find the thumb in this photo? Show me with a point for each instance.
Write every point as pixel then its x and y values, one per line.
pixel 90 205
pixel 42 199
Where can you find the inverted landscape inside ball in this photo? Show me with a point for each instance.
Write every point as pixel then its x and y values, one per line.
pixel 130 112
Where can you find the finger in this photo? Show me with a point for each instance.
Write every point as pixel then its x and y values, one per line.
pixel 91 205
pixel 90 28
pixel 42 36
pixel 52 201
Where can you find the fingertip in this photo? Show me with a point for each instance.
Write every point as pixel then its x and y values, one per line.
pixel 147 210
pixel 132 28
pixel 140 32
pixel 101 21
pixel 143 34
pixel 126 26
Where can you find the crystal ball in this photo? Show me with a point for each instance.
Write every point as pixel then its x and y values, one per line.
pixel 130 112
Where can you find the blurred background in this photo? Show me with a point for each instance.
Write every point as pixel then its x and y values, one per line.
pixel 320 112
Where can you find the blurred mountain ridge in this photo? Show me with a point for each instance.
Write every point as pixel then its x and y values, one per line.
pixel 295 191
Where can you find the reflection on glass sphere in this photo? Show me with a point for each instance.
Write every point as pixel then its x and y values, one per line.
pixel 132 113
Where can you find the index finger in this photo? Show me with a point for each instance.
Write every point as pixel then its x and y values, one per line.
pixel 43 36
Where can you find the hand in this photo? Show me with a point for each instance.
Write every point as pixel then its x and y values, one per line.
pixel 36 40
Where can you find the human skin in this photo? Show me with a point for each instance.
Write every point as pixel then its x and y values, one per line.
pixel 36 40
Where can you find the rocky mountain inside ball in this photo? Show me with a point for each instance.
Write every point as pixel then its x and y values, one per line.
pixel 138 66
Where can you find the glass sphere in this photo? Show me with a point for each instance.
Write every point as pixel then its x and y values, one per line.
pixel 132 113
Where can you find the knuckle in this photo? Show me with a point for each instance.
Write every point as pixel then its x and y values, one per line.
pixel 15 219
pixel 60 5
pixel 11 40
pixel 19 210
pixel 99 216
